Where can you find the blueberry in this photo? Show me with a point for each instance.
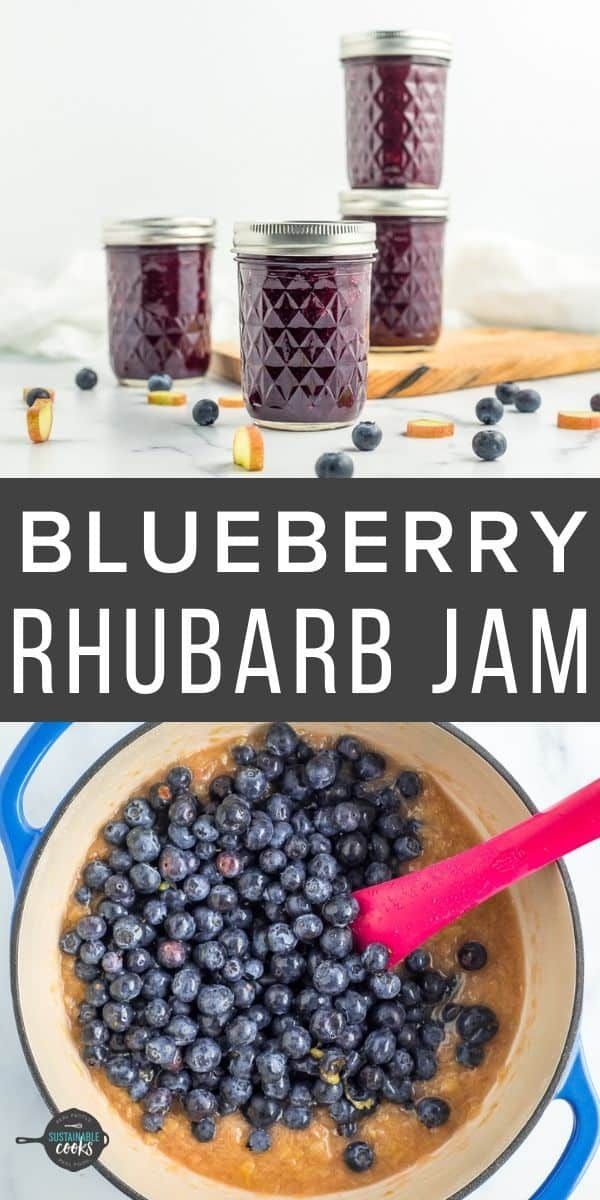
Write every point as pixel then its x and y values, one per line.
pixel 359 1156
pixel 369 766
pixel 260 831
pixel 334 464
pixel 91 929
pixel 353 1005
pixel 70 942
pixel 432 1034
pixel 330 978
pixel 407 848
pixel 281 739
pixel 385 985
pixel 215 1000
pixel 172 864
pixel 120 1070
pixel 489 444
pixel 251 784
pixel 433 986
pixel 367 435
pixel 200 1103
pixel 204 1130
pixel 157 1101
pixel 326 1025
pixel 203 1055
pixel 469 1055
pixel 432 1112
pixel 380 1046
pixel 205 412
pixel 183 810
pixel 477 1025
pixel 595 403
pixel 263 1111
pixel 86 379
pixel 233 815
pixel 126 986
pixel 156 983
pixel 259 1141
pixel 472 956
pixel 96 873
pixel 375 957
pixel 417 962
pixel 145 879
pixel 409 785
pixel 280 937
pixel 152 1122
pixel 157 1013
pixel 160 383
pixel 186 984
pixel 270 764
pixel 137 812
pixel 297 1116
pixel 117 1016
pixel 171 953
pixel 37 394
pixel 489 410
pixel 241 1032
pixel 507 393
pixel 527 400
pixel 336 942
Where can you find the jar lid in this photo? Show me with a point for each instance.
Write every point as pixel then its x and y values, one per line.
pixel 394 202
pixel 402 43
pixel 160 231
pixel 305 239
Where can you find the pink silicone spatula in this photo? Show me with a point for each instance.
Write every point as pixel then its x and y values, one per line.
pixel 406 911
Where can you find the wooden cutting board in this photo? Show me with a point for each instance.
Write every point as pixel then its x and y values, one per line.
pixel 463 358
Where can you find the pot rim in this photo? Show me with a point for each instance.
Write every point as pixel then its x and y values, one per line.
pixel 449 727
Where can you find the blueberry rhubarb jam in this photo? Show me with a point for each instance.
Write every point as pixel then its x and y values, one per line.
pixel 395 101
pixel 304 294
pixel 159 273
pixel 406 291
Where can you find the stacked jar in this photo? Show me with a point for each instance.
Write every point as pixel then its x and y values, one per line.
pixel 395 103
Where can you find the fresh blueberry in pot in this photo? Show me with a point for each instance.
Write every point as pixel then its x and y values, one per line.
pixel 91 929
pixel 489 444
pixel 96 873
pixel 432 1112
pixel 263 1111
pixel 117 1016
pixel 472 956
pixel 259 1141
pixel 409 785
pixel 160 383
pixel 489 410
pixel 595 403
pixel 334 464
pixel 205 412
pixel 477 1025
pixel 527 400
pixel 366 435
pixel 70 942
pixel 375 957
pixel 359 1156
pixel 137 812
pixel 469 1055
pixel 321 770
pixel 204 1130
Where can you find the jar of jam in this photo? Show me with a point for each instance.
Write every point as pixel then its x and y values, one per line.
pixel 406 292
pixel 159 272
pixel 304 292
pixel 395 101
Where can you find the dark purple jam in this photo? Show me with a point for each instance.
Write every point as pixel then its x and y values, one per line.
pixel 304 326
pixel 395 121
pixel 159 310
pixel 406 291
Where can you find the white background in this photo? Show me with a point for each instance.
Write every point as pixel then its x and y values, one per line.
pixel 548 760
pixel 235 108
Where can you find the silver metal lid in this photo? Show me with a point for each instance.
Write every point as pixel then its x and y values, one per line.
pixel 394 202
pixel 160 231
pixel 305 239
pixel 403 43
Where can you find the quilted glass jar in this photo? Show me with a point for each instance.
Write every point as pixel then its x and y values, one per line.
pixel 159 273
pixel 395 101
pixel 406 292
pixel 304 292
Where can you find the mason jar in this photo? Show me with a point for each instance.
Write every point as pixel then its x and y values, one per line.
pixel 304 295
pixel 395 101
pixel 159 272
pixel 407 285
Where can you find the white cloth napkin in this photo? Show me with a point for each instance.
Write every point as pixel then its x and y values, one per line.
pixel 499 280
pixel 491 279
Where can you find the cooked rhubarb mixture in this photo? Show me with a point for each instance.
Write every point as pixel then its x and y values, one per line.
pixel 213 986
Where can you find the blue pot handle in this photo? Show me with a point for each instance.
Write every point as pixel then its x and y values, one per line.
pixel 579 1093
pixel 18 837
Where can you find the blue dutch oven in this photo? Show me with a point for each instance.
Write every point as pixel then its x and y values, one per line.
pixel 545 1062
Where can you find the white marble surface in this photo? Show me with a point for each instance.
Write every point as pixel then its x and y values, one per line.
pixel 112 431
pixel 549 761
